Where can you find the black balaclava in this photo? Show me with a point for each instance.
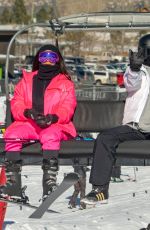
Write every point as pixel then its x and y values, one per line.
pixel 40 82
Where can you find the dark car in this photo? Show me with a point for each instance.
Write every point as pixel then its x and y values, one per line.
pixel 84 75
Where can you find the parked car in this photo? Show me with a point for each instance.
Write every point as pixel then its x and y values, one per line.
pixel 80 74
pixel 70 70
pixel 120 66
pixel 74 60
pixel 83 75
pixel 101 77
pixel 117 78
pixel 91 65
pixel 105 77
pixel 106 67
pixel 120 81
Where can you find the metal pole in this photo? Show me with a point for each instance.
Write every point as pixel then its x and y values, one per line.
pixel 94 92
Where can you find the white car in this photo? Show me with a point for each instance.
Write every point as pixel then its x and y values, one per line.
pixel 103 75
pixel 106 67
pixel 91 66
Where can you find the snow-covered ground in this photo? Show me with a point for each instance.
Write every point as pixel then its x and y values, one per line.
pixel 128 207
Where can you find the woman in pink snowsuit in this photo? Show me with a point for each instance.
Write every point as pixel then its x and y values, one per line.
pixel 43 105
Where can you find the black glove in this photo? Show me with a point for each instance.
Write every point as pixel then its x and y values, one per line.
pixel 30 113
pixel 136 60
pixel 51 118
pixel 44 121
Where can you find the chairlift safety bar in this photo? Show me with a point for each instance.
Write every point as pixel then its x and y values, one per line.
pixel 105 21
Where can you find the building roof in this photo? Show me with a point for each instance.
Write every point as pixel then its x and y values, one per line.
pixel 10 29
pixel 3 56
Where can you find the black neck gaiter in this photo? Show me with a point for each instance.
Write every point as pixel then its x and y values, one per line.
pixel 48 71
pixel 40 82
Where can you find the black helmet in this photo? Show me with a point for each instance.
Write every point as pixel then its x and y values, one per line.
pixel 144 43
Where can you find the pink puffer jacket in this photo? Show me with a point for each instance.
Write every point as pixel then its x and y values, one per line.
pixel 59 99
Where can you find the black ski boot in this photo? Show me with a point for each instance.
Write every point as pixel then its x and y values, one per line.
pixel 50 170
pixel 13 167
pixel 13 174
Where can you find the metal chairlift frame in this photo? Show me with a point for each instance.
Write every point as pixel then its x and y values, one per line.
pixel 98 21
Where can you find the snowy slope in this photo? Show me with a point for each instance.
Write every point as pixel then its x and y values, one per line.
pixel 128 207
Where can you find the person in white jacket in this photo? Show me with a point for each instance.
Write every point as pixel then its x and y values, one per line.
pixel 136 112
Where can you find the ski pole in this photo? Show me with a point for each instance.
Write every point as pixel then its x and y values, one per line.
pixel 18 139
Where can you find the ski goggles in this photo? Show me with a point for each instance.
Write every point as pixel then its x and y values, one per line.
pixel 48 56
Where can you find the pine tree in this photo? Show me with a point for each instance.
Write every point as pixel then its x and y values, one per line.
pixel 43 14
pixel 6 16
pixel 20 15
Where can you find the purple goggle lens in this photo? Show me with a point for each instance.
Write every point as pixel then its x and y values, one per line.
pixel 48 56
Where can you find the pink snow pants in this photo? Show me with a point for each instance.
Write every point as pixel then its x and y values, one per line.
pixel 49 138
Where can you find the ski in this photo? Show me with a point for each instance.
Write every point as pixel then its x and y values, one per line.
pixel 67 182
pixel 21 203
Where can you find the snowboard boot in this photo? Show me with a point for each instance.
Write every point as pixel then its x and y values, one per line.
pixel 50 170
pixel 13 165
